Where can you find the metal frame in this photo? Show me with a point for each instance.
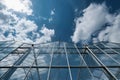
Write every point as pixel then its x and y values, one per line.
pixel 86 50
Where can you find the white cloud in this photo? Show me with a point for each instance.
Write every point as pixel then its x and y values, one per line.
pixel 46 31
pixel 22 6
pixel 7 17
pixel 24 27
pixel 111 33
pixel 52 12
pixel 47 34
pixel 89 22
pixel 50 19
pixel 17 27
pixel 94 18
pixel 21 29
pixel 40 17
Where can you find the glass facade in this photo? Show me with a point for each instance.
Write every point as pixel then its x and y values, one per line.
pixel 59 61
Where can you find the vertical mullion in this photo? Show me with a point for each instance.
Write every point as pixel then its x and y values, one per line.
pixel 52 53
pixel 26 74
pixel 106 70
pixel 106 54
pixel 68 62
pixel 10 71
pixel 35 57
pixel 29 71
pixel 11 51
pixel 22 65
pixel 83 60
pixel 111 49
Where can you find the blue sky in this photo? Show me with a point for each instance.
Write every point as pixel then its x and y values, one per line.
pixel 65 20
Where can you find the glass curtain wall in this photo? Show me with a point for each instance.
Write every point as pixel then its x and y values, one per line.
pixel 59 61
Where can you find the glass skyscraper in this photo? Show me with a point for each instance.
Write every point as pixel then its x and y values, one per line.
pixel 59 61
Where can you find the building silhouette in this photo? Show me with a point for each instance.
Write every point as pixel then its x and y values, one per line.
pixel 59 61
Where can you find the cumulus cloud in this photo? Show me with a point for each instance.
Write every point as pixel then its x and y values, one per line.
pixel 47 34
pixel 15 25
pixel 20 28
pixel 93 20
pixel 26 31
pixel 111 33
pixel 22 6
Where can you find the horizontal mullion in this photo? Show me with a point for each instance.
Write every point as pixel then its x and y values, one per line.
pixel 64 53
pixel 56 47
pixel 59 66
